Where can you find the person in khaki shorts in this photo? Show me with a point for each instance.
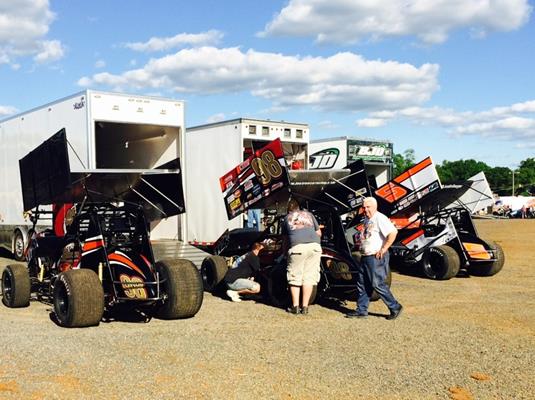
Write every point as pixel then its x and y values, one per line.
pixel 303 233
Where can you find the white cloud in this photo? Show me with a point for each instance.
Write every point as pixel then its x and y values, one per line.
pixel 23 30
pixel 51 50
pixel 328 125
pixel 7 110
pixel 100 64
pixel 207 38
pixel 344 81
pixel 514 122
pixel 370 123
pixel 431 21
pixel 215 118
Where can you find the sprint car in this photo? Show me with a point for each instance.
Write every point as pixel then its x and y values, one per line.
pixel 97 261
pixel 259 183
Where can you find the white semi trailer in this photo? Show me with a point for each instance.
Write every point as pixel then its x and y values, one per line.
pixel 215 149
pixel 105 131
pixel 336 153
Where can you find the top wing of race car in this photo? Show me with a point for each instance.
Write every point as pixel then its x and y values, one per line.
pixel 411 191
pixel 419 190
pixel 263 180
pixel 46 178
pixel 478 195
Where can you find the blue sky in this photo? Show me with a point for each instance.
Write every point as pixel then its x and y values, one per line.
pixel 452 79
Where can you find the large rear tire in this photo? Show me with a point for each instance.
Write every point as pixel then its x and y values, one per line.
pixel 16 286
pixel 183 288
pixel 213 270
pixel 492 267
pixel 78 298
pixel 441 263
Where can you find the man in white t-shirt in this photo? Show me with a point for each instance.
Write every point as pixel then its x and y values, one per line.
pixel 378 235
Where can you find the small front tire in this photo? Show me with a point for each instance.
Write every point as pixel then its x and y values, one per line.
pixel 213 270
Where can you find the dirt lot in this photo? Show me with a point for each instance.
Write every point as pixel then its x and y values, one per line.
pixel 467 338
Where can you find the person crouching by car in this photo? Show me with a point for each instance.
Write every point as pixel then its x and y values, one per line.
pixel 303 233
pixel 240 279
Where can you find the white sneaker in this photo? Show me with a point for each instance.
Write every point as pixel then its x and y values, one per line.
pixel 233 295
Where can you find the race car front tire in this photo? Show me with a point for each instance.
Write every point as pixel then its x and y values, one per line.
pixel 440 263
pixel 16 286
pixel 78 298
pixel 492 267
pixel 213 270
pixel 182 287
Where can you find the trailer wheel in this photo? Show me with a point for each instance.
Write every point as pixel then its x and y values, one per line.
pixel 278 292
pixel 78 298
pixel 213 270
pixel 492 267
pixel 18 246
pixel 182 288
pixel 441 263
pixel 16 286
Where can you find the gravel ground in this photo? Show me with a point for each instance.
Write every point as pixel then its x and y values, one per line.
pixel 467 338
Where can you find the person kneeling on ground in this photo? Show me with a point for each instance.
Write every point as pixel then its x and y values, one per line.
pixel 304 256
pixel 240 279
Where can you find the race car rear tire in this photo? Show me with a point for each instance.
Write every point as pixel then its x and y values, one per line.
pixel 16 286
pixel 440 263
pixel 182 287
pixel 492 267
pixel 78 298
pixel 278 291
pixel 213 270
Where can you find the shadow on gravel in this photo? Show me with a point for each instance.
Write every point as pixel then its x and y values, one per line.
pixel 5 253
pixel 118 315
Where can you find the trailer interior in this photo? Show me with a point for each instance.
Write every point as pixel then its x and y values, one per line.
pixel 134 146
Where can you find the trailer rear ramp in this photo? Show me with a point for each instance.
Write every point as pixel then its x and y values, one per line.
pixel 174 249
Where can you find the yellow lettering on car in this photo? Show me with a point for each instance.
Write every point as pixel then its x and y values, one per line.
pixel 133 287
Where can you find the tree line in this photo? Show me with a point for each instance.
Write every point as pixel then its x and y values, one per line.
pixel 501 179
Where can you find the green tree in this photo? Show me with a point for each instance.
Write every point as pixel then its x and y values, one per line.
pixel 525 179
pixel 450 171
pixel 403 161
pixel 500 180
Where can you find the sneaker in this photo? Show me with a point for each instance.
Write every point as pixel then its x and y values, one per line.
pixel 356 314
pixel 293 310
pixel 395 313
pixel 304 310
pixel 233 295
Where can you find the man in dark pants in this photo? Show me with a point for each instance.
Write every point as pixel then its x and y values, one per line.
pixel 379 234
